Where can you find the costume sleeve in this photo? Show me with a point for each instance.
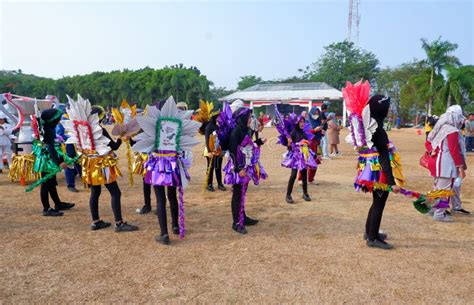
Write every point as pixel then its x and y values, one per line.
pixel 428 146
pixel 112 144
pixel 380 140
pixel 455 149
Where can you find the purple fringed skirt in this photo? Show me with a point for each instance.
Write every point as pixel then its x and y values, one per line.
pixel 295 158
pixel 254 173
pixel 165 169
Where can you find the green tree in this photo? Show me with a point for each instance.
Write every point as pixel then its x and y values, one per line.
pixel 459 86
pixel 248 81
pixel 438 57
pixel 341 62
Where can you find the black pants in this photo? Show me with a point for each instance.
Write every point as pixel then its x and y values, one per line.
pixel 235 203
pixel 115 195
pixel 291 182
pixel 147 193
pixel 48 188
pixel 217 167
pixel 374 218
pixel 161 207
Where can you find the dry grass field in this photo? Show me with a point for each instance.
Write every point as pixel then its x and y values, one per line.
pixel 309 252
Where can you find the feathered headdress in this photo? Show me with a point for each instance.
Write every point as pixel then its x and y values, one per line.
pixel 286 126
pixel 148 140
pixel 84 128
pixel 124 117
pixel 205 113
pixel 362 125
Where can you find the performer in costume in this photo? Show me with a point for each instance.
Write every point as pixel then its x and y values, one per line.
pixel 168 138
pixel 296 135
pixel 47 153
pixel 446 147
pixel 140 169
pixel 243 164
pixel 379 168
pixel 212 150
pixel 316 129
pixel 98 161
pixel 5 141
pixel 70 172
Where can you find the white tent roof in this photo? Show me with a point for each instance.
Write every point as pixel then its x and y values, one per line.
pixel 286 91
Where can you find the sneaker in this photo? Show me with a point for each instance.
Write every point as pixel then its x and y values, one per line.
pixel 72 189
pixel 325 158
pixel 222 187
pixel 125 227
pixel 144 210
pixel 210 188
pixel 338 154
pixel 380 236
pixel 238 229
pixel 100 225
pixel 249 221
pixel 446 218
pixel 289 199
pixel 52 212
pixel 447 212
pixel 306 197
pixel 163 239
pixel 175 230
pixel 461 211
pixel 64 206
pixel 379 244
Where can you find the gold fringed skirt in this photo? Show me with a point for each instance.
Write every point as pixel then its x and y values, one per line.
pixel 98 170
pixel 22 169
pixel 138 167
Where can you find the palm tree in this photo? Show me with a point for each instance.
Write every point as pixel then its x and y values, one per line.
pixel 438 57
pixel 460 82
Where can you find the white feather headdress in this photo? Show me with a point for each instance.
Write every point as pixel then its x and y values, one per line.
pixel 84 128
pixel 146 141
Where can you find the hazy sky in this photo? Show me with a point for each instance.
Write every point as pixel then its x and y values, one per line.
pixel 225 40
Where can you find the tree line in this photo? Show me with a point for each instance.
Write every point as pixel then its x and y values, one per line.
pixel 417 87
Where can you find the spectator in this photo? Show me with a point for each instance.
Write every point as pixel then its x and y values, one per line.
pixel 5 142
pixel 469 132
pixel 333 134
pixel 324 136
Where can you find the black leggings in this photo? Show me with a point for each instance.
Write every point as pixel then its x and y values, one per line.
pixel 115 195
pixel 235 203
pixel 374 218
pixel 291 182
pixel 48 188
pixel 147 193
pixel 161 207
pixel 217 167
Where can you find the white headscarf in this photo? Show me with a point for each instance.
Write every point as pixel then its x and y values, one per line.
pixel 448 123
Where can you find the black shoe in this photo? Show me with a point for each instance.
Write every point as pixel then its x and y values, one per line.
pixel 64 206
pixel 461 211
pixel 289 199
pixel 100 225
pixel 306 197
pixel 447 212
pixel 163 239
pixel 380 236
pixel 72 189
pixel 52 212
pixel 379 244
pixel 175 230
pixel 144 210
pixel 125 227
pixel 239 229
pixel 210 188
pixel 222 187
pixel 249 221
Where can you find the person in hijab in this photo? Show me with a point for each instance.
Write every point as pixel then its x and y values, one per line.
pixel 447 162
pixel 314 118
pixel 50 118
pixel 379 106
pixel 297 161
pixel 333 135
pixel 239 133
pixel 214 155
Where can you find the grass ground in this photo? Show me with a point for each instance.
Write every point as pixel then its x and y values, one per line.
pixel 310 252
